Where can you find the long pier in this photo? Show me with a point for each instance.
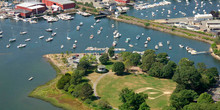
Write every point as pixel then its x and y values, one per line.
pixel 103 49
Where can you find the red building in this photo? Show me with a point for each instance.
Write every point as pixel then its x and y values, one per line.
pixel 64 4
pixel 28 8
pixel 123 1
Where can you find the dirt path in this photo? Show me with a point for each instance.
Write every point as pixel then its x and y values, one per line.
pixel 97 81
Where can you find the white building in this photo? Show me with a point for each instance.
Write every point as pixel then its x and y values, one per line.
pixel 203 17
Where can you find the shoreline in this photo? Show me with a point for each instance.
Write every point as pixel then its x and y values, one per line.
pixel 49 93
pixel 214 55
pixel 159 29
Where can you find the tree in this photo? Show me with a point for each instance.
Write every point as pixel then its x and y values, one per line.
pixel 148 52
pixel 156 70
pixel 144 106
pixel 199 106
pixel 134 58
pixel 182 98
pixel 76 78
pixel 169 69
pixel 169 108
pixel 83 65
pixel 83 9
pixel 104 104
pixel 111 51
pixel 125 55
pixel 63 81
pixel 187 75
pixel 162 58
pixel 131 100
pixel 147 61
pixel 185 62
pixel 89 58
pixel 83 91
pixel 201 67
pixel 104 58
pixel 205 98
pixel 212 74
pixel 118 67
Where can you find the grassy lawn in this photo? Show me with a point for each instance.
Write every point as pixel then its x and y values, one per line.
pixel 158 90
pixel 50 93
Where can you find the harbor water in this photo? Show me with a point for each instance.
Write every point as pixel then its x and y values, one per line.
pixel 17 65
pixel 176 8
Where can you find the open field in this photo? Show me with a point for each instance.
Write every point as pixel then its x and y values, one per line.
pixel 158 90
pixel 50 93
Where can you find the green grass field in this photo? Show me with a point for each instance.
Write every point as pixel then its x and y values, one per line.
pixel 48 92
pixel 158 90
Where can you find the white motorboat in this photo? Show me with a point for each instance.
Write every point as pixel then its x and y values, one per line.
pixel 146 42
pixel 113 25
pixel 181 46
pixel 1 32
pixel 29 39
pixel 49 39
pixel 138 37
pixel 77 28
pixel 91 37
pixel 160 44
pixel 156 47
pixel 127 40
pixel 99 31
pixel 68 38
pixel 74 46
pixel 101 28
pixel 8 45
pixel 148 38
pixel 49 30
pixel 98 20
pixel 145 45
pixel 170 48
pixel 61 46
pixel 130 45
pixel 23 32
pixel 81 23
pixel 31 78
pixel 21 45
pixel 168 42
pixel 53 34
pixel 12 40
pixel 75 41
pixel 41 37
pixel 114 43
pixel 1 36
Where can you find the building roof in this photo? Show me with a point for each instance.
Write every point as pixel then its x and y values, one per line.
pixel 214 26
pixel 36 7
pixel 203 15
pixel 213 21
pixel 62 1
pixel 28 4
pixel 101 66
